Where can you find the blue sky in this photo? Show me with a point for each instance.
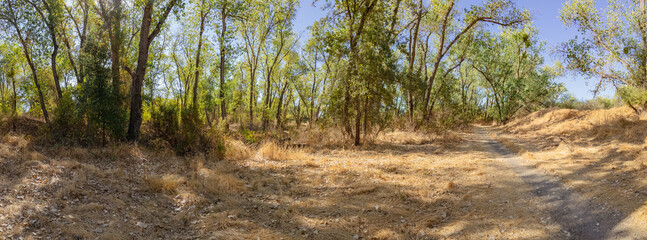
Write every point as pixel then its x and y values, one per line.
pixel 546 19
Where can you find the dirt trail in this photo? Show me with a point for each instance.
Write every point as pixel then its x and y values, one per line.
pixel 578 217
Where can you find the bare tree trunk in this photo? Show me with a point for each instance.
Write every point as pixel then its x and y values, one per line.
pixel 115 44
pixel 146 37
pixel 15 96
pixel 280 103
pixel 358 119
pixel 13 21
pixel 223 101
pixel 203 17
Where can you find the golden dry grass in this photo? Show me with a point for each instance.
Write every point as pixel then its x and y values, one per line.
pixel 237 150
pixel 599 153
pixel 272 151
pixel 405 186
pixel 169 182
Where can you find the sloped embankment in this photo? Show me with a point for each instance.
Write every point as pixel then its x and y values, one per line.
pixel 600 153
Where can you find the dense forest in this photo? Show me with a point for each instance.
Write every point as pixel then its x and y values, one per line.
pixel 102 70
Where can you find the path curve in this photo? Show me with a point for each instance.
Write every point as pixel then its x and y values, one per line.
pixel 578 217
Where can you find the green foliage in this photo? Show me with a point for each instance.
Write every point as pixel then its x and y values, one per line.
pixel 165 121
pixel 184 130
pixel 570 102
pixel 633 96
pixel 101 103
pixel 67 124
pixel 250 136
pixel 612 49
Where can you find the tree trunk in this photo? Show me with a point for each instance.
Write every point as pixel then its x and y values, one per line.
pixel 223 101
pixel 203 16
pixel 71 58
pixel 145 40
pixel 279 124
pixel 115 44
pixel 252 79
pixel 32 67
pixel 15 96
pixel 358 119
pixel 57 83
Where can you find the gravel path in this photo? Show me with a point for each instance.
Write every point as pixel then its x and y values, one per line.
pixel 578 217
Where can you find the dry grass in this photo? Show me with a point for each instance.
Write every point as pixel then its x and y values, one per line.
pixel 406 137
pixel 237 150
pixel 600 153
pixel 169 182
pixel 317 137
pixel 274 152
pixel 406 186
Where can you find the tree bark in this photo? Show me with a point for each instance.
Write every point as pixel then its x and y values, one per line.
pixel 115 44
pixel 223 101
pixel 203 17
pixel 32 67
pixel 145 39
pixel 278 110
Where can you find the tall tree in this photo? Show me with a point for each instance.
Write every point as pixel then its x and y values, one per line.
pixel 146 37
pixel 262 18
pixel 612 50
pixel 499 12
pixel 50 13
pixel 14 13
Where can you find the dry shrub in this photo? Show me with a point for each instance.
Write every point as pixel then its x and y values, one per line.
pixel 319 137
pixel 237 150
pixel 384 234
pixel 274 152
pixel 218 180
pixel 15 140
pixel 405 137
pixel 449 138
pixel 168 182
pixel 22 125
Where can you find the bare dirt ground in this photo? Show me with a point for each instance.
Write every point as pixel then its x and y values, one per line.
pixel 403 186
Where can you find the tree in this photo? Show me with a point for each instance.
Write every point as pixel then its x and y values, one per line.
pixel 50 13
pixel 263 17
pixel 146 37
pixel 12 12
pixel 499 12
pixel 613 51
pixel 228 9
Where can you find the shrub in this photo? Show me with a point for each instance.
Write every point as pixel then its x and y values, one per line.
pixel 185 132
pixel 165 121
pixel 96 110
pixel 67 124
pixel 634 97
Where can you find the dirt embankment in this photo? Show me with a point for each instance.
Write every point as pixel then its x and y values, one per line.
pixel 599 153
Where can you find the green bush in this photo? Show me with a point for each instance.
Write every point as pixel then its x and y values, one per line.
pixel 185 132
pixel 165 121
pixel 635 97
pixel 94 112
pixel 67 124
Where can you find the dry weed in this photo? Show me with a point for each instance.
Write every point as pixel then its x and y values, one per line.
pixel 167 182
pixel 405 137
pixel 237 150
pixel 275 152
